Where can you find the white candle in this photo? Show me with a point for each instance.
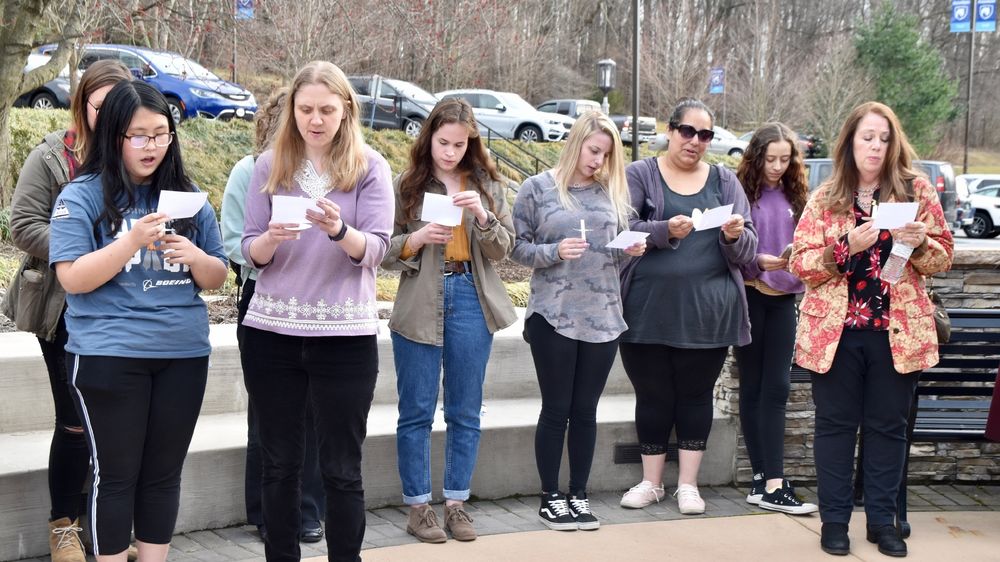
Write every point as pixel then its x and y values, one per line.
pixel 583 230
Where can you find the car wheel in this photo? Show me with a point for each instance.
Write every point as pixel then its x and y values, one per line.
pixel 175 110
pixel 412 126
pixel 736 153
pixel 529 133
pixel 981 226
pixel 44 100
pixel 993 234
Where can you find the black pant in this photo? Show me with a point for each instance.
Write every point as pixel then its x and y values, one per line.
pixel 139 415
pixel 673 387
pixel 571 377
pixel 313 502
pixel 335 376
pixel 861 388
pixel 764 379
pixel 69 456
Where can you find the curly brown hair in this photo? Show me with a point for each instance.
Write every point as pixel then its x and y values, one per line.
pixel 267 120
pixel 475 164
pixel 751 169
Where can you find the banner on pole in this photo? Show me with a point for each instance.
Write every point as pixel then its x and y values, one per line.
pixel 961 16
pixel 717 80
pixel 986 15
pixel 244 9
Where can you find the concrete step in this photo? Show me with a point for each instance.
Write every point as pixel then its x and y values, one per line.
pixel 212 487
pixel 27 403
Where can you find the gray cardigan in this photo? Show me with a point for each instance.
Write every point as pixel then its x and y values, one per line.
pixel 646 197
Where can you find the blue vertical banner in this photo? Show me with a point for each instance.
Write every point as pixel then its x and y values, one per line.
pixel 961 16
pixel 717 80
pixel 244 9
pixel 986 15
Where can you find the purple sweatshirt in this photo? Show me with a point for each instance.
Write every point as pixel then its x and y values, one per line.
pixel 312 287
pixel 773 216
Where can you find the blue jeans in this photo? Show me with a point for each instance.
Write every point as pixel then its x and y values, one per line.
pixel 466 349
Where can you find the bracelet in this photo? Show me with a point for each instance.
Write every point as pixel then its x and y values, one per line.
pixel 340 235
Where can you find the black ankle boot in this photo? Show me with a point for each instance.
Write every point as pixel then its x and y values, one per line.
pixel 834 539
pixel 887 538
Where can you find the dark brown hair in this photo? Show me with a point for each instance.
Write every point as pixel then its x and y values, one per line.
pixel 751 169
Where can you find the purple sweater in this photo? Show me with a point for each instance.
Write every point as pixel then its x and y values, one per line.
pixel 312 287
pixel 775 222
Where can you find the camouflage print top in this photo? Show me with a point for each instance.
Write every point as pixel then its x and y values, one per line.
pixel 580 297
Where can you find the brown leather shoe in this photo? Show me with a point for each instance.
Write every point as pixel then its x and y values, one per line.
pixel 64 541
pixel 423 524
pixel 459 522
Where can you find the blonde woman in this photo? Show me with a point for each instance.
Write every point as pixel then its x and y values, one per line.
pixel 310 328
pixel 564 219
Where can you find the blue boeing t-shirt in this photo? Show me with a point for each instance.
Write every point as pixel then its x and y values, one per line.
pixel 149 309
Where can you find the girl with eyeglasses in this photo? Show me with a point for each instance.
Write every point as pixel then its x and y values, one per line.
pixel 36 302
pixel 684 301
pixel 138 348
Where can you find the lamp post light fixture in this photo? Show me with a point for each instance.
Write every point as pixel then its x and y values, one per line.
pixel 606 80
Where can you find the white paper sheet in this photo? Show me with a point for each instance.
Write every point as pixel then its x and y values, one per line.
pixel 181 204
pixel 287 209
pixel 440 210
pixel 895 215
pixel 626 238
pixel 712 218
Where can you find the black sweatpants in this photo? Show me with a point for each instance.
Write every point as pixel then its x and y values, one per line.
pixel 764 379
pixel 571 377
pixel 139 416
pixel 673 387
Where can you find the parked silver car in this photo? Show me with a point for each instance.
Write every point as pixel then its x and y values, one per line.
pixel 507 115
pixel 724 142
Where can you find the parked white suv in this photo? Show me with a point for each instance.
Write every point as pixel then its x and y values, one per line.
pixel 983 193
pixel 507 115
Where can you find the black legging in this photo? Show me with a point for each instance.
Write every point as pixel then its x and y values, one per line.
pixel 673 387
pixel 571 377
pixel 764 379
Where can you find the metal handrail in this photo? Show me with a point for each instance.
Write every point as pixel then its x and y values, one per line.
pixel 489 145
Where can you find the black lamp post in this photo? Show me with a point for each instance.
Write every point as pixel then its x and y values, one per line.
pixel 606 80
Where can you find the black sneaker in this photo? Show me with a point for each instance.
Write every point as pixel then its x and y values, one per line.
pixel 555 512
pixel 784 500
pixel 756 489
pixel 579 508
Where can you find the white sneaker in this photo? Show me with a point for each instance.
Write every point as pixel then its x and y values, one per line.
pixel 642 494
pixel 689 500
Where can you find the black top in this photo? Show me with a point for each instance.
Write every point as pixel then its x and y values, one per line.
pixel 867 293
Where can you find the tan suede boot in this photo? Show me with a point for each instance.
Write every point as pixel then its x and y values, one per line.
pixel 422 523
pixel 64 541
pixel 459 522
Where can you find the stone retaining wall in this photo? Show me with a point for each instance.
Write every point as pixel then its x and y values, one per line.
pixel 973 282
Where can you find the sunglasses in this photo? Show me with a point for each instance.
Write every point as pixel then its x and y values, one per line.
pixel 689 132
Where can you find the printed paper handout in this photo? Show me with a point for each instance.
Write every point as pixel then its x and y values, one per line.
pixel 712 218
pixel 288 209
pixel 181 204
pixel 626 238
pixel 440 210
pixel 894 215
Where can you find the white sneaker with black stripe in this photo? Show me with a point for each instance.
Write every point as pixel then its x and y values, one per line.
pixel 579 508
pixel 757 489
pixel 784 500
pixel 554 512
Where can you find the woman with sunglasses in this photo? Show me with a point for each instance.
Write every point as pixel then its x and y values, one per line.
pixel 684 301
pixel 138 330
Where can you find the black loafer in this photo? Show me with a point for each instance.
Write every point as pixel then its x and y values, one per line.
pixel 887 538
pixel 834 540
pixel 311 535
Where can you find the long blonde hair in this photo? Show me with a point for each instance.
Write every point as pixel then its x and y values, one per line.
pixel 611 176
pixel 346 162
pixel 897 168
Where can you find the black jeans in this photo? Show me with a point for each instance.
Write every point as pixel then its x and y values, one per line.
pixel 764 380
pixel 139 416
pixel 571 377
pixel 313 501
pixel 673 387
pixel 862 388
pixel 335 376
pixel 69 456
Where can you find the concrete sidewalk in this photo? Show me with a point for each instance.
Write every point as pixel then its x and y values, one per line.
pixel 950 522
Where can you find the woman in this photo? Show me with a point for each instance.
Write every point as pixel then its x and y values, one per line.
pixel 138 391
pixel 864 339
pixel 683 301
pixel 774 178
pixel 36 302
pixel 564 219
pixel 310 327
pixel 449 304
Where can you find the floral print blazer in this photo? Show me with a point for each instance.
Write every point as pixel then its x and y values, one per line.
pixel 824 307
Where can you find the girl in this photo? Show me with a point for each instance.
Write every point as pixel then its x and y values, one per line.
pixel 138 331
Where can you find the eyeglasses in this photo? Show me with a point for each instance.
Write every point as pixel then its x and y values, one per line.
pixel 142 141
pixel 688 132
pixel 97 108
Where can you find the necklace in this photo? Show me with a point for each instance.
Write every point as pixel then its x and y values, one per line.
pixel 866 192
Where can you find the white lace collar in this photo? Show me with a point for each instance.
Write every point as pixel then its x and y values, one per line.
pixel 314 184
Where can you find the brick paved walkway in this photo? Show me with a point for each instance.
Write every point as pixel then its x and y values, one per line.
pixel 387 526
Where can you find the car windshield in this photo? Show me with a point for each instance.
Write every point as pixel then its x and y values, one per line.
pixel 176 65
pixel 412 91
pixel 583 107
pixel 516 102
pixel 722 133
